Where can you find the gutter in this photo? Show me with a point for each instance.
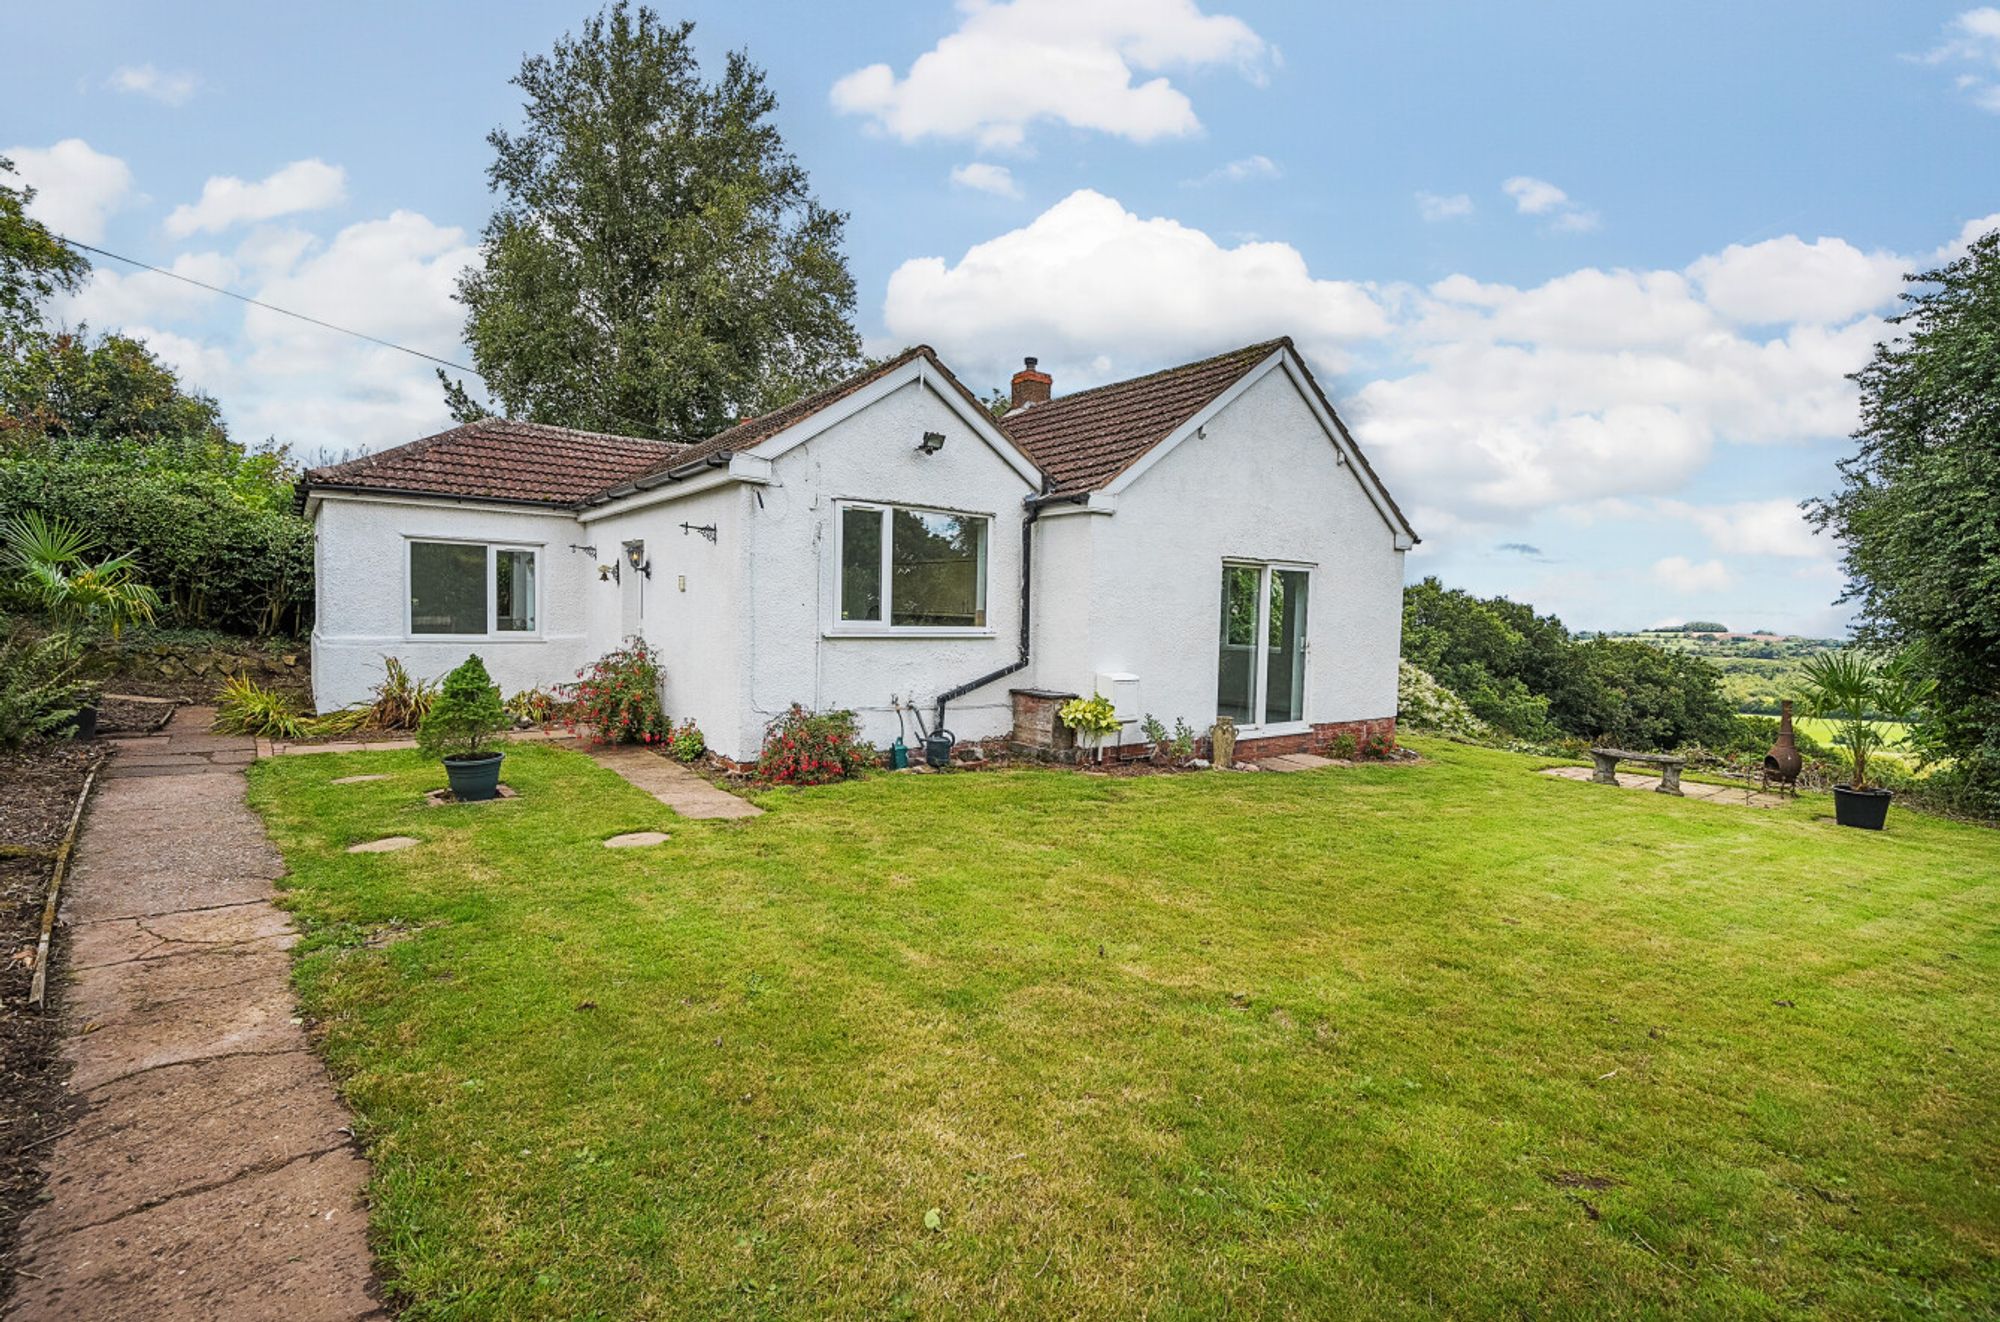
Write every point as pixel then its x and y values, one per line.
pixel 1034 505
pixel 681 472
pixel 302 492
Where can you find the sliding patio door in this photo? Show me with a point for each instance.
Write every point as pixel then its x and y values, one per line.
pixel 1261 670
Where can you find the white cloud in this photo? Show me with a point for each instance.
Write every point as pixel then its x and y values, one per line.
pixel 1238 172
pixel 1435 207
pixel 168 87
pixel 307 185
pixel 113 299
pixel 314 388
pixel 77 187
pixel 1973 38
pixel 1539 197
pixel 1754 527
pixel 985 177
pixel 1972 229
pixel 1786 279
pixel 1609 383
pixel 1013 63
pixel 1097 291
pixel 1679 574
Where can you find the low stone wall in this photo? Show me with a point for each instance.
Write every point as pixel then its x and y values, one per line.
pixel 197 665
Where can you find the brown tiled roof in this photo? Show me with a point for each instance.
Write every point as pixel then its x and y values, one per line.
pixel 1084 440
pixel 495 459
pixel 753 431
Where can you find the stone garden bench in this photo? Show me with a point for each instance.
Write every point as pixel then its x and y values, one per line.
pixel 1607 760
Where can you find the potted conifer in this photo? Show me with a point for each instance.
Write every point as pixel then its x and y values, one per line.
pixel 460 728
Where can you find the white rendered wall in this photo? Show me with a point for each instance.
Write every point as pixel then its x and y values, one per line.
pixel 361 577
pixel 791 653
pixel 1263 484
pixel 691 609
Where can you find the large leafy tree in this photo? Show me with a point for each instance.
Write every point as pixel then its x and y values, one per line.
pixel 657 264
pixel 1918 509
pixel 33 263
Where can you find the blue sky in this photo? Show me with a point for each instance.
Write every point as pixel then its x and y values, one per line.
pixel 1585 279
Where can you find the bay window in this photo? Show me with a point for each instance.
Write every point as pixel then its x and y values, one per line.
pixel 471 589
pixel 911 569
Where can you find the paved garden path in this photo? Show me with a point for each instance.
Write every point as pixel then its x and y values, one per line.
pixel 209 1171
pixel 667 780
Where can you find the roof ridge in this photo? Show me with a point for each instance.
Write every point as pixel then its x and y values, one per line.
pixel 1283 341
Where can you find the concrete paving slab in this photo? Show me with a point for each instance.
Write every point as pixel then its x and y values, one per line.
pixel 162 936
pixel 668 781
pixel 121 1033
pixel 388 844
pixel 1740 795
pixel 284 1245
pixel 1295 762
pixel 637 840
pixel 157 1135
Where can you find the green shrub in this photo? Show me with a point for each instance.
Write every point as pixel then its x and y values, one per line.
pixel 1344 746
pixel 618 697
pixel 39 688
pixel 812 748
pixel 1424 704
pixel 687 742
pixel 216 561
pixel 466 715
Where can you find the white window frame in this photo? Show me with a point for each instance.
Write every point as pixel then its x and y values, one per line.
pixel 1260 666
pixel 493 633
pixel 836 627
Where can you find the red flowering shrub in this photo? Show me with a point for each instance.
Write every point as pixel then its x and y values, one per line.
pixel 1378 746
pixel 618 696
pixel 812 748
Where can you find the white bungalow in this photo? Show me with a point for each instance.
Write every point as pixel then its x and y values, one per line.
pixel 1207 541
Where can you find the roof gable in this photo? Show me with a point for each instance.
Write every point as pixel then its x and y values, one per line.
pixel 1085 440
pixel 1100 440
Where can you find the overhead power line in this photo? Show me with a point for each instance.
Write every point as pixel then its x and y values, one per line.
pixel 272 307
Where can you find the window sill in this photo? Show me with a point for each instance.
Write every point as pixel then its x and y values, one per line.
pixel 907 631
pixel 473 638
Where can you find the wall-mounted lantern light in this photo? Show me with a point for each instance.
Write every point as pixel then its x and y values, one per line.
pixel 635 556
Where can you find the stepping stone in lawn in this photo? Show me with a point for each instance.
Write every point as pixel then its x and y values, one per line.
pixel 356 780
pixel 388 844
pixel 636 840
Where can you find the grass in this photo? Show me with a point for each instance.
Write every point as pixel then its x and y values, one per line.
pixel 1442 1039
pixel 1896 734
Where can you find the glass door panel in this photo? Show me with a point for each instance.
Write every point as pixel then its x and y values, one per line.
pixel 1285 644
pixel 1236 689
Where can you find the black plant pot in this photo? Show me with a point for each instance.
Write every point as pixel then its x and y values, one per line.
pixel 1866 809
pixel 474 778
pixel 83 725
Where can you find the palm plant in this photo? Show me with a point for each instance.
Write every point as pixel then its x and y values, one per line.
pixel 52 560
pixel 1855 691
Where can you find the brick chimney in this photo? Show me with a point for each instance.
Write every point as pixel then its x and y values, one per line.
pixel 1030 386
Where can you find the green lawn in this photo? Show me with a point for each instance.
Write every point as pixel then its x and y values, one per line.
pixel 1895 734
pixel 1441 1039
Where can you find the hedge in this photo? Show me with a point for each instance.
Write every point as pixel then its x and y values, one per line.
pixel 216 562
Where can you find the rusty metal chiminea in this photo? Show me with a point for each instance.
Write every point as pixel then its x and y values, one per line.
pixel 1783 762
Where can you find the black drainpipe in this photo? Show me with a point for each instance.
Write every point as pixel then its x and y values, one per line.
pixel 1034 504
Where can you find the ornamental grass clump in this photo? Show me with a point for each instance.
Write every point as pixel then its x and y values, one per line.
pixel 618 697
pixel 812 748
